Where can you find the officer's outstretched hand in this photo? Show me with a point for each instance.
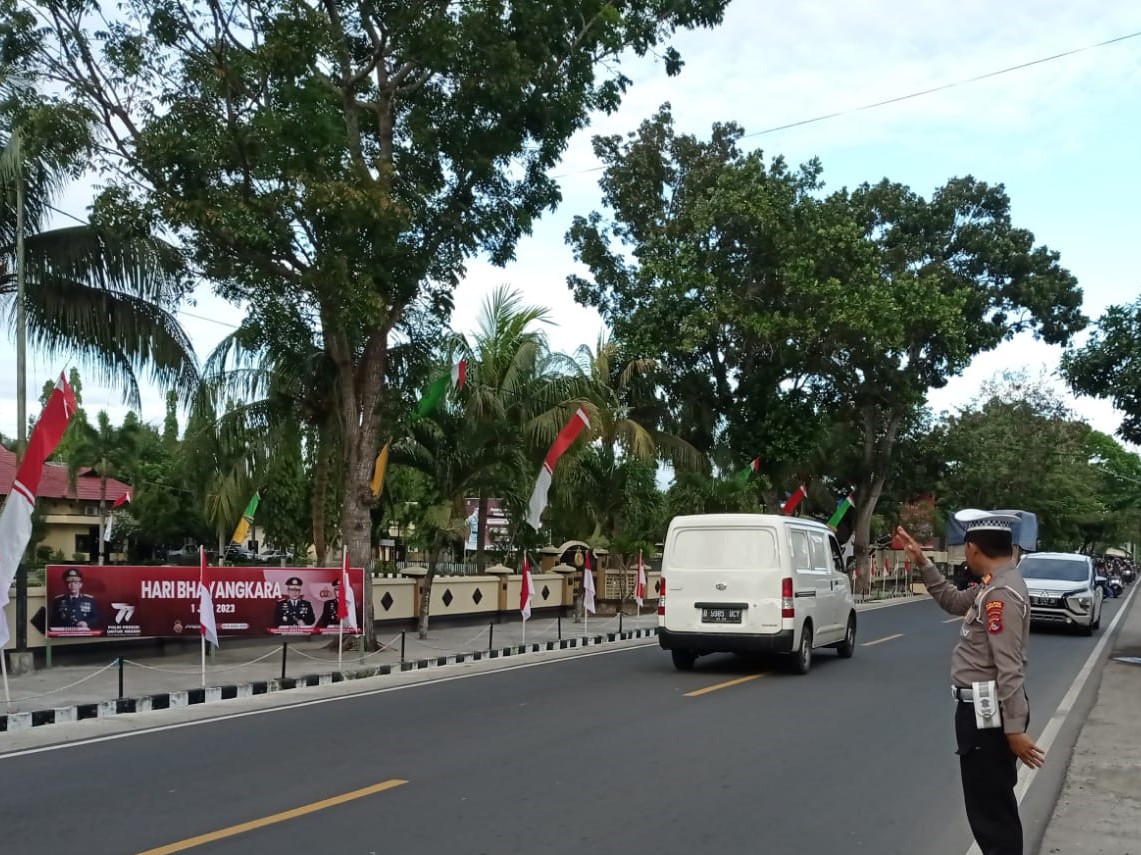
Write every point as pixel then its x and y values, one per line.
pixel 1027 751
pixel 914 550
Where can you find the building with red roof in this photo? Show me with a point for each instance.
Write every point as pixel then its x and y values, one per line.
pixel 71 516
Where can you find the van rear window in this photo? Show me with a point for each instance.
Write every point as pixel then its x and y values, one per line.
pixel 724 549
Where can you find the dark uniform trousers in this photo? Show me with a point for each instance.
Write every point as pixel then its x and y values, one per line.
pixel 989 770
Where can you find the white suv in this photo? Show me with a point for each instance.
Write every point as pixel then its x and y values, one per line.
pixel 1063 589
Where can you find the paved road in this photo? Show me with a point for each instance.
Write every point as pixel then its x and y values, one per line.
pixel 608 752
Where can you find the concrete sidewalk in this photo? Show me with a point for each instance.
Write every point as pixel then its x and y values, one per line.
pixel 68 692
pixel 177 667
pixel 1099 809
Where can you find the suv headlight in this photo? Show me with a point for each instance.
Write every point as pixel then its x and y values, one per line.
pixel 1080 602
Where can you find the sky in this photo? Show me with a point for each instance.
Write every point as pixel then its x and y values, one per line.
pixel 1060 135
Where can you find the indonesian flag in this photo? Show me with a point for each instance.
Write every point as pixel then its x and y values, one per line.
pixel 640 584
pixel 16 518
pixel 588 585
pixel 118 503
pixel 526 590
pixel 206 620
pixel 794 499
pixel 347 601
pixel 886 568
pixel 563 441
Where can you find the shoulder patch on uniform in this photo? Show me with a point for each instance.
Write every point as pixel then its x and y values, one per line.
pixel 994 615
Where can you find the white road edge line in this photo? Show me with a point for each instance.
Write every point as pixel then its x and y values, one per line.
pixel 23 752
pixel 1054 725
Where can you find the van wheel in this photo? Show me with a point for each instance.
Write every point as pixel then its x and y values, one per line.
pixel 802 659
pixel 847 647
pixel 683 659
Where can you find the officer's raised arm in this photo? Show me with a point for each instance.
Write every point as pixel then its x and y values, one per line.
pixel 951 599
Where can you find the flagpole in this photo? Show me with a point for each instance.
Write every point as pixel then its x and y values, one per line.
pixel 341 622
pixel 4 669
pixel 201 632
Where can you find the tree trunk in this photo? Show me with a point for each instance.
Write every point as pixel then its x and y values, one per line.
pixel 356 532
pixel 320 497
pixel 481 531
pixel 426 593
pixel 102 512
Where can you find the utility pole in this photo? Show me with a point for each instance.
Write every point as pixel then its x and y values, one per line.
pixel 21 383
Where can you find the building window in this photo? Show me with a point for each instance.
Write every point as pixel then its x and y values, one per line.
pixel 83 544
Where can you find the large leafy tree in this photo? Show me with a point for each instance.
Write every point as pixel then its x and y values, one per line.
pixel 789 315
pixel 1108 365
pixel 347 158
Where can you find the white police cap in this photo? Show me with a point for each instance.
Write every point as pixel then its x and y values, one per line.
pixel 972 519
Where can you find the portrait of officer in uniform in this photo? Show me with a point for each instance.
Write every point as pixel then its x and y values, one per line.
pixel 988 675
pixel 74 610
pixel 329 612
pixel 294 610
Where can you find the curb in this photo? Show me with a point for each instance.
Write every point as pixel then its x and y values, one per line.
pixel 21 721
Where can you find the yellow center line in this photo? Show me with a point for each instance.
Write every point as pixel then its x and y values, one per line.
pixel 734 682
pixel 953 620
pixel 882 640
pixel 241 828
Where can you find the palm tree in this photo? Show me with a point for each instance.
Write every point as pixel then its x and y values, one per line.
pixel 105 295
pixel 459 457
pixel 109 451
pixel 517 388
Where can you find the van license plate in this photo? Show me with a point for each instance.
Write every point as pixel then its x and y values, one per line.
pixel 721 615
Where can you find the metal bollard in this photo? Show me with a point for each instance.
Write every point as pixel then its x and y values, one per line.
pixel 560 618
pixel 490 636
pixel 120 678
pixel 284 652
pixel 402 646
pixel 620 613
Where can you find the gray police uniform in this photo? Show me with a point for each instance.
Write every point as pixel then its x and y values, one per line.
pixel 294 613
pixel 992 646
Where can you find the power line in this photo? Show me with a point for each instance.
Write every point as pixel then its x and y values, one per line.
pixel 899 98
pixel 944 87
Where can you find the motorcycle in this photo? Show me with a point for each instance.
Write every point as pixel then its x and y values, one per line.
pixel 1114 587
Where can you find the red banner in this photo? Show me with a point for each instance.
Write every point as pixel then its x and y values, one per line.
pixel 129 601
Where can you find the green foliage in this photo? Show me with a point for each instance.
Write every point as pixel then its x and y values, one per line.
pixel 1108 365
pixel 335 166
pixel 788 318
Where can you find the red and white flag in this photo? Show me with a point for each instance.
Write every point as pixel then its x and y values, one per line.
pixel 588 585
pixel 206 621
pixel 794 500
pixel 347 600
pixel 563 441
pixel 526 590
pixel 886 568
pixel 124 499
pixel 16 518
pixel 640 583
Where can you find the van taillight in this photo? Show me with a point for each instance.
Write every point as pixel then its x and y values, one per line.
pixel 661 595
pixel 786 607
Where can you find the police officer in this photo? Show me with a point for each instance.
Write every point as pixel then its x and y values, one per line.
pixel 75 609
pixel 293 610
pixel 329 612
pixel 988 676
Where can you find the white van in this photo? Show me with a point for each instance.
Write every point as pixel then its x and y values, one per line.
pixel 751 583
